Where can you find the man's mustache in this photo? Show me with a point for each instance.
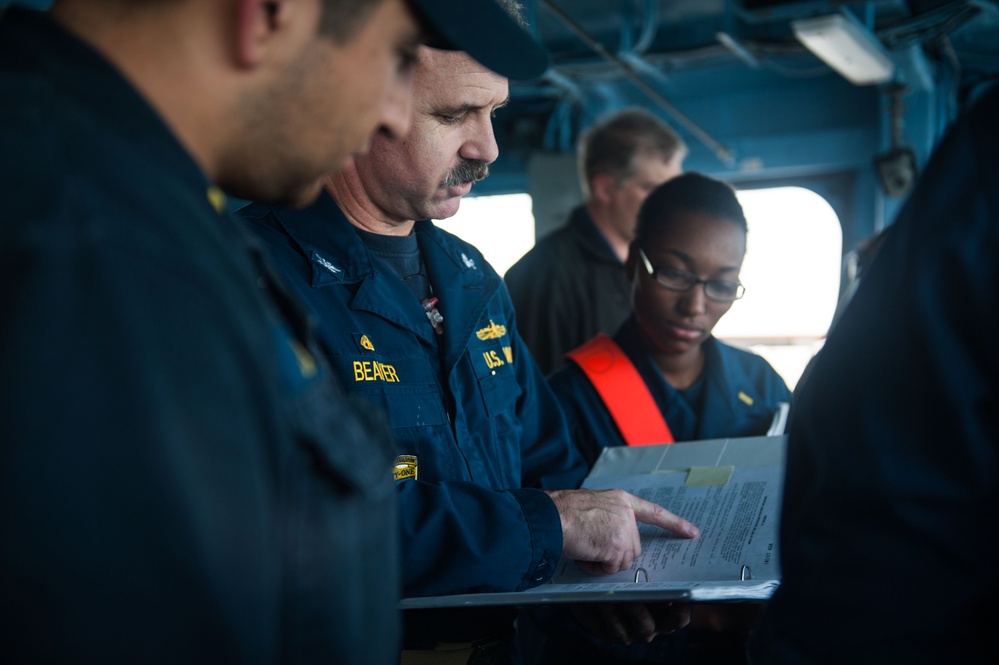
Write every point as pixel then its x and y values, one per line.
pixel 468 170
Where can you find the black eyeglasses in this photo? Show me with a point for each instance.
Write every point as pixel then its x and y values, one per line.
pixel 719 290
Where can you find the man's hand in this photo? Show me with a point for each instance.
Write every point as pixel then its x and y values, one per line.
pixel 600 527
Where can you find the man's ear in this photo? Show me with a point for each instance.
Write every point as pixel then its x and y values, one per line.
pixel 258 23
pixel 602 187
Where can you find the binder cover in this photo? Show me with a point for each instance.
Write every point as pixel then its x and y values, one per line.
pixel 730 488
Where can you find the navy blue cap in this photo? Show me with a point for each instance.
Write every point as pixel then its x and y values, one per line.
pixel 486 32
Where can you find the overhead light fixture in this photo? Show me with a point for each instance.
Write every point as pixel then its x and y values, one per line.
pixel 844 44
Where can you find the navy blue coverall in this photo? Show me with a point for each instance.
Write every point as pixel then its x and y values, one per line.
pixel 888 531
pixel 180 479
pixel 471 406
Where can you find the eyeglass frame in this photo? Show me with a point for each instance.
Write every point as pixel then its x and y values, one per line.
pixel 694 281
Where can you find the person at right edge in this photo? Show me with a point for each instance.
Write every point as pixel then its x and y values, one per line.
pixel 683 266
pixel 888 530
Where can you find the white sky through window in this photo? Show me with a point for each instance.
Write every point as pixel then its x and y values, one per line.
pixel 791 270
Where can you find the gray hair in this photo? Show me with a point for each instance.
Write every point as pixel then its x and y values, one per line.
pixel 342 19
pixel 515 10
pixel 611 145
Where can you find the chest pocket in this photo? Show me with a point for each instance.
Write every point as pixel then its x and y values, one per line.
pixel 404 387
pixel 495 423
pixel 493 364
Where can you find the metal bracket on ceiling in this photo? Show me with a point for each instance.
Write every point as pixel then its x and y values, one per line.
pixel 724 153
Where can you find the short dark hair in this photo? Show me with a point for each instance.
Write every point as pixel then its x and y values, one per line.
pixel 341 19
pixel 611 145
pixel 690 192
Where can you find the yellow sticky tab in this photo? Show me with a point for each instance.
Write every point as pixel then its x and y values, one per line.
pixel 405 467
pixel 745 398
pixel 709 476
pixel 217 198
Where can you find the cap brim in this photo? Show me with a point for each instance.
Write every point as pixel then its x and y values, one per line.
pixel 486 32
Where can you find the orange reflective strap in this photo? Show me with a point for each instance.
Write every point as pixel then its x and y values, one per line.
pixel 623 391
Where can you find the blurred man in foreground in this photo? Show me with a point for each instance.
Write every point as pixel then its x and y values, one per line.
pixel 182 480
pixel 888 538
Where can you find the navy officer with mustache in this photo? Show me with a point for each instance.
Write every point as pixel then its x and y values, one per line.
pixel 419 324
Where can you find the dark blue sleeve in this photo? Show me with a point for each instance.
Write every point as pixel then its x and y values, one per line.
pixel 143 467
pixel 590 423
pixel 109 462
pixel 888 530
pixel 461 537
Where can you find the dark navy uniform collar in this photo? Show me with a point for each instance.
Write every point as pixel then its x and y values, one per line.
pixel 460 278
pixel 323 233
pixel 462 281
pixel 325 237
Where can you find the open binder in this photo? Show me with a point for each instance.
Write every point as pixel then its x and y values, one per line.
pixel 730 488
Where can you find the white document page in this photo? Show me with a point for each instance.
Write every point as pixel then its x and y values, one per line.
pixel 729 488
pixel 737 519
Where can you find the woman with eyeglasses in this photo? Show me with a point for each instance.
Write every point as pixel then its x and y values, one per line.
pixel 663 364
pixel 662 378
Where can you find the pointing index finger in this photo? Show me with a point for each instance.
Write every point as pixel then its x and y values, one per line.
pixel 647 512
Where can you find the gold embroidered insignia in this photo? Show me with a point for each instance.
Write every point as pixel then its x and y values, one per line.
pixel 366 343
pixel 745 398
pixel 372 370
pixel 217 198
pixel 492 359
pixel 492 331
pixel 306 363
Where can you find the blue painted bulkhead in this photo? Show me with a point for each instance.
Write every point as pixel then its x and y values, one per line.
pixel 754 106
pixel 773 113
